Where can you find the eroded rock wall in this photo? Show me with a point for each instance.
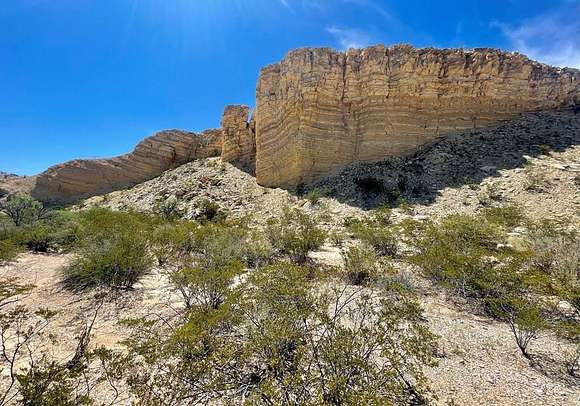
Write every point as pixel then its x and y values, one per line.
pixel 74 180
pixel 239 142
pixel 320 109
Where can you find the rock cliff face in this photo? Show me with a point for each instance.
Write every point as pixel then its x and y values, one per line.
pixel 71 181
pixel 239 142
pixel 319 109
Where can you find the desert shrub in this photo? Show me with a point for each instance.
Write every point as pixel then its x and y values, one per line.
pixel 337 237
pixel 52 384
pixel 37 238
pixel 22 209
pixel 383 215
pixel 206 287
pixel 168 208
pixel 3 193
pixel 489 194
pixel 506 216
pixel 382 238
pixel 524 318
pixel 208 210
pixel 204 276
pixel 8 251
pixel 258 250
pixel 113 250
pixel 295 234
pixel 316 194
pixel 117 262
pixel 555 252
pixel 279 339
pixel 56 231
pixel 360 264
pixel 459 252
pixel 170 241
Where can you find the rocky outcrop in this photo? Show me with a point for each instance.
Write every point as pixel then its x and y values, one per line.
pixel 319 109
pixel 74 180
pixel 239 139
pixel 14 184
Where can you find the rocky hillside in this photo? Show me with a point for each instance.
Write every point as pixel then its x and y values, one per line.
pixel 319 110
pixel 11 183
pixel 532 162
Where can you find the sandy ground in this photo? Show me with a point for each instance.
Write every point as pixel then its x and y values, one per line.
pixel 479 362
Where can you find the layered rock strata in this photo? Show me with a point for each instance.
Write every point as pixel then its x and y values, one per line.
pixel 319 109
pixel 74 180
pixel 239 138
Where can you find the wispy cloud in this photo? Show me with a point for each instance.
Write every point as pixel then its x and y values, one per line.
pixel 372 5
pixel 286 4
pixel 553 37
pixel 349 37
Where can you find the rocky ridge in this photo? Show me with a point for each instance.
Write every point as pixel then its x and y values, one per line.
pixel 165 150
pixel 319 110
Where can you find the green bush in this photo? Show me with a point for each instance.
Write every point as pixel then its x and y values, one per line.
pixel 113 250
pixel 507 216
pixel 8 251
pixel 523 317
pixel 295 234
pixel 382 238
pixel 278 338
pixel 168 208
pixel 22 209
pixel 209 210
pixel 170 241
pixel 315 195
pixel 204 275
pixel 258 250
pixel 459 253
pixel 360 264
pixel 56 231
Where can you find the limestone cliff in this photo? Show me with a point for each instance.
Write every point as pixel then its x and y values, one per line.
pixel 165 150
pixel 320 109
pixel 239 142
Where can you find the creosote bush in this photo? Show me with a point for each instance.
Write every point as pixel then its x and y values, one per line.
pixel 506 216
pixel 279 338
pixel 113 250
pixel 360 264
pixel 523 317
pixel 469 255
pixel 209 210
pixel 206 271
pixel 22 209
pixel 295 235
pixel 377 232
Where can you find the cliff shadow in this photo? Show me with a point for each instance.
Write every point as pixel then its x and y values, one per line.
pixel 455 160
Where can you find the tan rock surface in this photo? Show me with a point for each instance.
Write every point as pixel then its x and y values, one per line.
pixel 239 143
pixel 165 150
pixel 320 109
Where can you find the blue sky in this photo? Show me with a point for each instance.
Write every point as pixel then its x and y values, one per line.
pixel 90 78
